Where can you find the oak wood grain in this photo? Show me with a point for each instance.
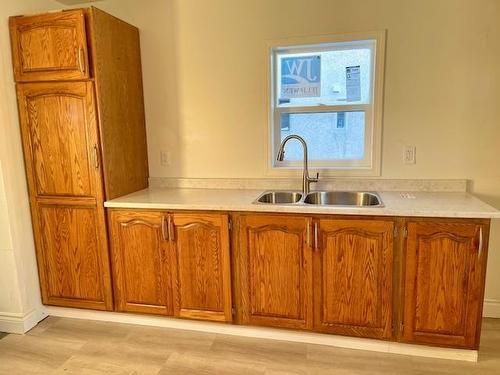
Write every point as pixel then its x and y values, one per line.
pixel 275 260
pixel 116 62
pixel 59 120
pixel 71 254
pixel 201 265
pixel 49 47
pixel 353 277
pixel 62 173
pixel 140 262
pixel 444 282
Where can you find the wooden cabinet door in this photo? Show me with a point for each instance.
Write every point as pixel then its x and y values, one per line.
pixel 444 278
pixel 201 266
pixel 140 261
pixel 61 153
pixel 353 277
pixel 49 47
pixel 275 261
pixel 72 257
pixel 58 123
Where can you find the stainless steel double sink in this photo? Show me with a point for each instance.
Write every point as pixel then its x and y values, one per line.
pixel 322 198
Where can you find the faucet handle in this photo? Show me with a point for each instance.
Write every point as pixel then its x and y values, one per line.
pixel 314 179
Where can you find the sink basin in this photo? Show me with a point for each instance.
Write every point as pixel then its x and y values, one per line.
pixel 343 198
pixel 280 197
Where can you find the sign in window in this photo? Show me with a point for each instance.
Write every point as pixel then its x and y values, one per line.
pixel 300 77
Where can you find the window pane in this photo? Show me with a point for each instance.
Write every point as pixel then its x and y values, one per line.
pixel 329 135
pixel 325 77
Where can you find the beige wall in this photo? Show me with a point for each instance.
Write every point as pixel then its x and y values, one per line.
pixel 204 66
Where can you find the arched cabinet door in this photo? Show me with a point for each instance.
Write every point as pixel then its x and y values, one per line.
pixel 199 246
pixel 444 278
pixel 62 159
pixel 353 264
pixel 140 261
pixel 275 266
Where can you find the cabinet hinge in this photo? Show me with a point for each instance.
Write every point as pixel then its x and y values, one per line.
pixel 405 232
pixel 233 311
pixel 401 326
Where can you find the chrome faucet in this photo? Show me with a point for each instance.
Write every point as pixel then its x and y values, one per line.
pixel 306 180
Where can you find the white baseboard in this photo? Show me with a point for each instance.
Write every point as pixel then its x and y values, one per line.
pixel 491 308
pixel 268 333
pixel 20 323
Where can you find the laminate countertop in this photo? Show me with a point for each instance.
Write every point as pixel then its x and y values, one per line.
pixel 421 204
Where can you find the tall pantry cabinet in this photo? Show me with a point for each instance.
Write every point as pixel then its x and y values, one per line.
pixel 81 110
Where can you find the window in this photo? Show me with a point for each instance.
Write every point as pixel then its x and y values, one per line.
pixel 328 90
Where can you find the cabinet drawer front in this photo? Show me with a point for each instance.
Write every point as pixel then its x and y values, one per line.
pixel 443 283
pixel 59 129
pixel 353 274
pixel 49 47
pixel 276 271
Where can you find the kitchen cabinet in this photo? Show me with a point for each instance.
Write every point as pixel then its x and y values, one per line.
pixel 201 278
pixel 81 112
pixel 50 47
pixel 353 277
pixel 172 263
pixel 142 269
pixel 59 128
pixel 444 282
pixel 275 263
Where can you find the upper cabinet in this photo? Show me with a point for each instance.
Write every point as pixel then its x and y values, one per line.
pixel 444 281
pixel 50 47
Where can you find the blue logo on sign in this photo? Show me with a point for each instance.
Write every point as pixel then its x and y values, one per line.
pixel 300 70
pixel 300 77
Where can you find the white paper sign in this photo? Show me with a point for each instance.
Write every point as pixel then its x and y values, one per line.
pixel 353 83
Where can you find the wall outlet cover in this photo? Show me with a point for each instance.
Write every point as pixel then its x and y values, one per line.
pixel 410 155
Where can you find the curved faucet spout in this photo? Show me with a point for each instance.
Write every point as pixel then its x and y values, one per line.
pixel 306 180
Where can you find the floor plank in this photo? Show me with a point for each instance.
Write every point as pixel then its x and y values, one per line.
pixel 72 346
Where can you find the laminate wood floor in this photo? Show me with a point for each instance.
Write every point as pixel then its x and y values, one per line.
pixel 72 346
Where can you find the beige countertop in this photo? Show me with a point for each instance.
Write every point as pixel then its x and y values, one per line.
pixel 430 204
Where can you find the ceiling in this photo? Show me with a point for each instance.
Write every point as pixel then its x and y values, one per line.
pixel 73 2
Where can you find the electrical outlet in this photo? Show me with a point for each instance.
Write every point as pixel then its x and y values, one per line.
pixel 410 154
pixel 164 158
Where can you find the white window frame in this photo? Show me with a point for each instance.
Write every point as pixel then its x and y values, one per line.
pixel 371 164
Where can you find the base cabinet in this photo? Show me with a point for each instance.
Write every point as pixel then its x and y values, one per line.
pixel 414 280
pixel 171 263
pixel 141 264
pixel 353 277
pixel 201 274
pixel 444 282
pixel 275 259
